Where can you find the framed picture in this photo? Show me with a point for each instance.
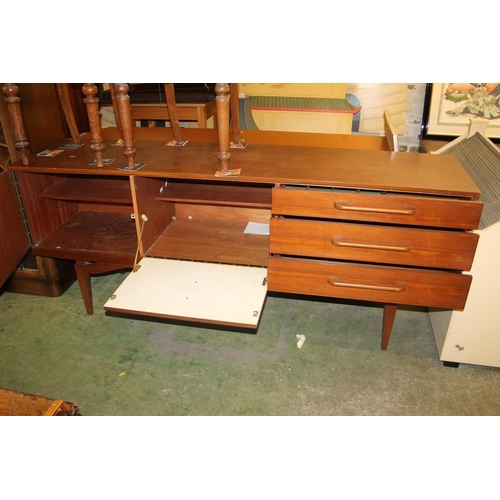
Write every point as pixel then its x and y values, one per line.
pixel 448 107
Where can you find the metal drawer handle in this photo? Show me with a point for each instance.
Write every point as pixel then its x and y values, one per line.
pixel 393 288
pixel 397 248
pixel 398 211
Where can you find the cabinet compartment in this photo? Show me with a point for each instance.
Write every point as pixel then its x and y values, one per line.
pixel 110 191
pixel 390 285
pixel 198 262
pixel 80 217
pixel 373 243
pixel 377 207
pixel 203 221
pixel 92 236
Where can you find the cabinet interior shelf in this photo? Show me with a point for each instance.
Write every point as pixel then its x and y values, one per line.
pixel 100 236
pixel 217 194
pixel 206 240
pixel 88 189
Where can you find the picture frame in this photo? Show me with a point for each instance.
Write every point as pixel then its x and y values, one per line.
pixel 448 108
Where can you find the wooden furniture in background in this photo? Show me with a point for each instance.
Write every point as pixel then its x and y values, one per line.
pixel 21 404
pixel 390 132
pixel 14 241
pixel 198 112
pixel 296 107
pixel 43 122
pixel 194 102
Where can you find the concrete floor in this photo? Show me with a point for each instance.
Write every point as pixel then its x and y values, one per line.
pixel 126 366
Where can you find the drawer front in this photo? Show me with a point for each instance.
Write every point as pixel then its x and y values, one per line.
pixel 372 243
pixel 385 208
pixel 390 285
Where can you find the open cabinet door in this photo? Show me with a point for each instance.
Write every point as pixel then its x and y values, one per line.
pixel 197 291
pixel 13 241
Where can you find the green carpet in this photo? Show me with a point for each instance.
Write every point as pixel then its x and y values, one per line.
pixel 128 366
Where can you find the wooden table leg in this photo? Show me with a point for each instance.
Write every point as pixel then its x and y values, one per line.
pixel 62 90
pixel 172 110
pixel 389 315
pixel 235 113
pixel 85 287
pixel 112 91
pixel 222 104
pixel 13 102
pixel 92 102
pixel 83 272
pixel 125 118
pixel 201 117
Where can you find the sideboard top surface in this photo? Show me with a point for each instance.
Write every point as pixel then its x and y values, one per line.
pixel 271 163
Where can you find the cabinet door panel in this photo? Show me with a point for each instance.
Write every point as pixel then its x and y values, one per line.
pixel 13 240
pixel 195 291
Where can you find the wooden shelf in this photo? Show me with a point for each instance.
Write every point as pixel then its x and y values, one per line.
pixel 206 240
pixel 217 194
pixel 92 236
pixel 88 189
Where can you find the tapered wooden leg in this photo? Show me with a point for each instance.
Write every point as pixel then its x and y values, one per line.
pixel 85 288
pixel 235 113
pixel 83 272
pixel 172 111
pixel 389 315
pixel 62 90
pixel 112 91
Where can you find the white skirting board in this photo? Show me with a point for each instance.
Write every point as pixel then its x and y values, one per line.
pixel 197 291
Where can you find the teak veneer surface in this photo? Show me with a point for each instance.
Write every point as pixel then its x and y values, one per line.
pixel 217 194
pixel 92 190
pixel 344 141
pixel 98 236
pixel 264 163
pixel 212 241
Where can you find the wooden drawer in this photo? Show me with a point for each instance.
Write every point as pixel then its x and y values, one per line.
pixel 373 243
pixel 390 285
pixel 372 207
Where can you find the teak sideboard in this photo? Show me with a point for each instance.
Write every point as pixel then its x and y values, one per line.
pixel 356 224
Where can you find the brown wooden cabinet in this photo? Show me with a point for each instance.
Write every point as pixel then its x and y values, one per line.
pixel 342 223
pixel 45 124
pixel 14 243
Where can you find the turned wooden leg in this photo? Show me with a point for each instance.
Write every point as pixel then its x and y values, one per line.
pixel 92 103
pixel 389 315
pixel 125 118
pixel 13 102
pixel 172 110
pixel 222 104
pixel 62 90
pixel 112 91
